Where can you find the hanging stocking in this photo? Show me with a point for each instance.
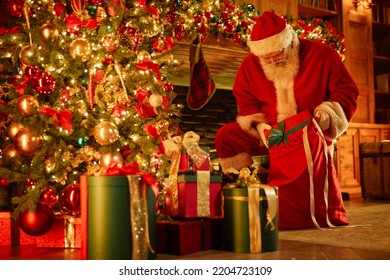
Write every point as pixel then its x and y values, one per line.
pixel 202 86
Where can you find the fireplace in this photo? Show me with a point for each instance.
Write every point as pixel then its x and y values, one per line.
pixel 205 122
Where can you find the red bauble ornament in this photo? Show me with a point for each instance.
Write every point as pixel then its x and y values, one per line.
pixel 202 29
pixel 126 151
pixel 78 6
pixel 130 36
pixel 119 111
pixel 15 7
pixel 4 182
pixel 31 71
pixel 3 116
pixel 65 95
pixel 168 86
pixel 29 182
pixel 70 199
pixel 198 18
pixel 44 83
pixel 37 222
pixel 49 196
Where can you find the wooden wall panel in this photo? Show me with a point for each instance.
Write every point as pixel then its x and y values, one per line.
pixel 347 161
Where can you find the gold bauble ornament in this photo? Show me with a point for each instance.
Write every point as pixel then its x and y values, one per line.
pixel 162 126
pixel 49 32
pixel 26 142
pixel 111 157
pixel 100 15
pixel 80 48
pixel 155 100
pixel 110 42
pixel 106 133
pixel 13 129
pixel 10 151
pixel 26 54
pixel 27 105
pixel 143 55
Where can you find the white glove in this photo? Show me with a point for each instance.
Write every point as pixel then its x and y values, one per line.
pixel 322 119
pixel 260 128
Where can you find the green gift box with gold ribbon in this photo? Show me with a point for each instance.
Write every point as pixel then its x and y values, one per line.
pixel 119 218
pixel 251 218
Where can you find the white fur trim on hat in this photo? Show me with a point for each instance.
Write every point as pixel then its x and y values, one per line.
pixel 272 44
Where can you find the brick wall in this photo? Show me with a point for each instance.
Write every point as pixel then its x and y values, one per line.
pixel 220 109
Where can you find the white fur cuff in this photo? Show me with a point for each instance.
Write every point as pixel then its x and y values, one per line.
pixel 245 122
pixel 338 120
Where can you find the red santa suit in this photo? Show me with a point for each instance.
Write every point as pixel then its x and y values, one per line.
pixel 316 84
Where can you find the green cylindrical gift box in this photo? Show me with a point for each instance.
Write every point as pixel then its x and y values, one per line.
pixel 236 216
pixel 111 223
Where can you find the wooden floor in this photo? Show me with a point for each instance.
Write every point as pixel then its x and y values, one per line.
pixel 288 250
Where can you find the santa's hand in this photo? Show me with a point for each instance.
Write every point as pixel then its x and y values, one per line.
pixel 322 119
pixel 260 128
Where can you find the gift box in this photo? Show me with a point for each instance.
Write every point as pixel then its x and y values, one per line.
pixel 64 233
pixel 5 226
pixel 198 194
pixel 11 234
pixel 251 218
pixel 180 237
pixel 218 233
pixel 118 218
pixel 206 164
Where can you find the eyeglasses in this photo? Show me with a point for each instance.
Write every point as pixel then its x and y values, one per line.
pixel 275 58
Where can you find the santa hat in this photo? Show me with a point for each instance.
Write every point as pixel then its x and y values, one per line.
pixel 270 34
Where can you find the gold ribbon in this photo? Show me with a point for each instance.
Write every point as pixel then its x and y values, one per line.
pixel 191 144
pixel 139 221
pixel 203 193
pixel 69 232
pixel 254 219
pixel 172 148
pixel 254 213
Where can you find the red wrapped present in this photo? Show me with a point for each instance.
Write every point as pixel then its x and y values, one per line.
pixel 26 239
pixel 65 233
pixel 5 226
pixel 217 230
pixel 180 237
pixel 11 234
pixel 198 194
pixel 206 164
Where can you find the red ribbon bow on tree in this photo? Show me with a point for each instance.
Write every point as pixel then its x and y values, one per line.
pixel 62 116
pixel 149 65
pixel 15 29
pixel 73 22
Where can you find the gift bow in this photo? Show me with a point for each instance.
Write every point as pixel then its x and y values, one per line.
pixel 14 29
pixel 149 65
pixel 279 135
pixel 191 144
pixel 172 148
pixel 62 116
pixel 72 21
pixel 132 168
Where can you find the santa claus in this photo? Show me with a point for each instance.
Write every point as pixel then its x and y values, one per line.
pixel 294 97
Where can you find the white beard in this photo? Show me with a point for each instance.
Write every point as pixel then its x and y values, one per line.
pixel 283 77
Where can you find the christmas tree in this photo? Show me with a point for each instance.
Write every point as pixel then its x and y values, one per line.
pixel 85 85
